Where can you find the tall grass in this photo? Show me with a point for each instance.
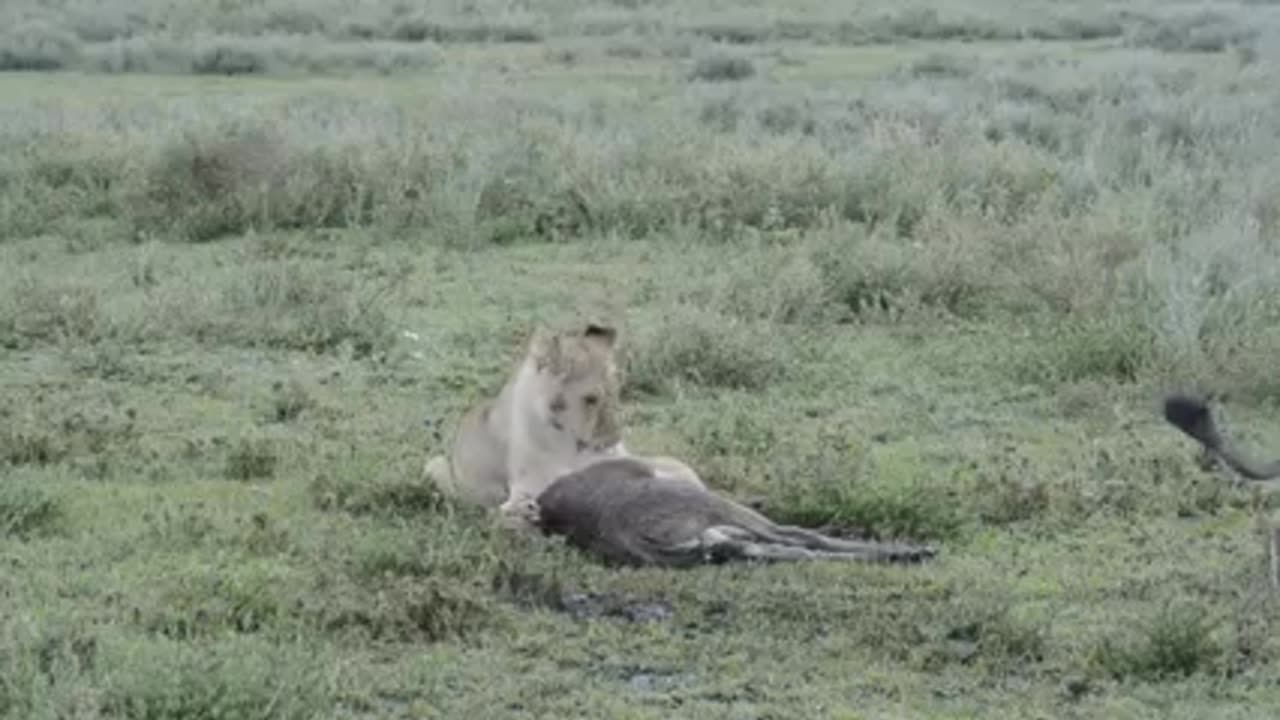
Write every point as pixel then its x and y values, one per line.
pixel 1061 191
pixel 292 36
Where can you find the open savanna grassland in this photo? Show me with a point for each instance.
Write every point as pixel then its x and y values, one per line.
pixel 919 273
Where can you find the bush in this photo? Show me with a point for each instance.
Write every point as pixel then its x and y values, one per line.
pixel 37 45
pixel 515 206
pixel 359 495
pixel 927 24
pixel 228 56
pixel 1117 345
pixel 251 459
pixel 200 187
pixel 203 188
pixel 295 306
pixel 832 485
pixel 420 29
pixel 1176 642
pixel 1198 32
pixel 704 349
pixel 38 311
pixel 722 68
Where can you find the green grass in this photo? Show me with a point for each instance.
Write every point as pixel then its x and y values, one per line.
pixel 913 275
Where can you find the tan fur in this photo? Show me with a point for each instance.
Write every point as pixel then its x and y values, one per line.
pixel 558 410
pixel 1192 416
pixel 627 513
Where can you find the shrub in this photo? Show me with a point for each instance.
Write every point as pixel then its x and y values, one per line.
pixel 293 305
pixel 1176 642
pixel 927 24
pixel 722 68
pixel 198 187
pixel 1115 345
pixel 205 187
pixel 733 34
pixel 941 65
pixel 230 56
pixel 420 29
pixel 37 45
pixel 251 459
pixel 1206 31
pixel 832 485
pixel 37 311
pixel 704 349
pixel 515 206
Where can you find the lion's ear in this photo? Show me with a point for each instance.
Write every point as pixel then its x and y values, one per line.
pixel 604 334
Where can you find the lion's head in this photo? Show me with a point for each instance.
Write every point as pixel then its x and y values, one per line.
pixel 577 388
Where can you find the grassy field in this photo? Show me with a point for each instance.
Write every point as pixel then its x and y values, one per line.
pixel 914 272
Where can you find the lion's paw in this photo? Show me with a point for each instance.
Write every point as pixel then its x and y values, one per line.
pixel 519 513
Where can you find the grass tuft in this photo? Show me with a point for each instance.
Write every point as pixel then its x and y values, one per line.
pixel 28 510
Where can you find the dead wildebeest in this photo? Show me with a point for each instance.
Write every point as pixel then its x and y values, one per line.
pixel 626 513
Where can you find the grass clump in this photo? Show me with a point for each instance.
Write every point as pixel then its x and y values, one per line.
pixel 37 45
pixel 155 678
pixel 1178 641
pixel 27 446
pixel 403 610
pixel 289 401
pixel 941 65
pixel 1207 31
pixel 981 629
pixel 39 311
pixel 199 188
pixel 421 29
pixel 837 488
pixel 203 187
pixel 722 68
pixel 878 276
pixel 27 510
pixel 365 495
pixel 229 56
pixel 40 434
pixel 733 33
pixel 365 484
pixel 255 55
pixel 928 24
pixel 294 305
pixel 704 349
pixel 201 601
pixel 513 206
pixel 251 458
pixel 1118 347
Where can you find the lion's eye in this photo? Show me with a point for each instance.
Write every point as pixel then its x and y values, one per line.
pixel 557 404
pixel 590 400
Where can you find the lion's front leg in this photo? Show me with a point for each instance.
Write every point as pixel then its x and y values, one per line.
pixel 519 512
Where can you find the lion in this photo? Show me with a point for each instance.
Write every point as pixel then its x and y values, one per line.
pixel 558 411
pixel 630 513
pixel 1192 417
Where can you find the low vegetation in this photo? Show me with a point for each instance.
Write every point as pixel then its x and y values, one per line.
pixel 893 272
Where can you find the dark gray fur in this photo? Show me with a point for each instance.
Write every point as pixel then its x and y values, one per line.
pixel 618 510
pixel 1192 416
